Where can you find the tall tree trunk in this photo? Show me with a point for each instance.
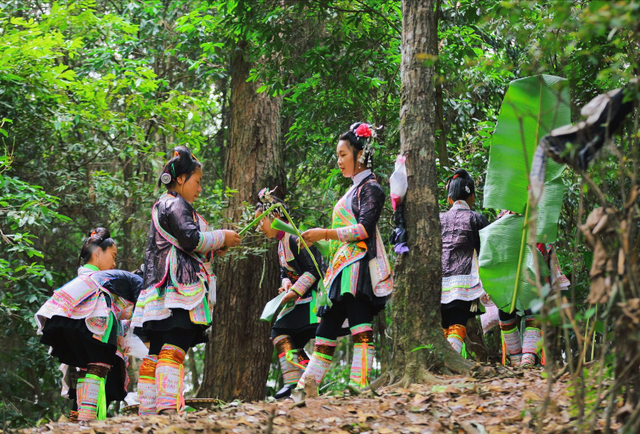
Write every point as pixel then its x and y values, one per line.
pixel 126 261
pixel 416 314
pixel 441 137
pixel 239 352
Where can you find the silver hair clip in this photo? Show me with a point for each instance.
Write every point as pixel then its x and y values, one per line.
pixel 165 178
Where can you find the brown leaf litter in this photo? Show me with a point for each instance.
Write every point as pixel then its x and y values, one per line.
pixel 496 405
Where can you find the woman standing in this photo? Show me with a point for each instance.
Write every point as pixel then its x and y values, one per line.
pixel 461 285
pixel 297 322
pixel 173 311
pixel 359 277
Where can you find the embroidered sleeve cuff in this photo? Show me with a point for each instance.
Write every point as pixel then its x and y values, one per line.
pixel 352 233
pixel 286 281
pixel 304 283
pixel 213 240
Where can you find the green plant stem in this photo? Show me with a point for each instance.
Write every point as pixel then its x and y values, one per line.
pixel 520 258
pixel 593 342
pixel 284 211
pixel 257 219
pixel 301 239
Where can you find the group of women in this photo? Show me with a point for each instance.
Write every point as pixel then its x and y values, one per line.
pixel 168 302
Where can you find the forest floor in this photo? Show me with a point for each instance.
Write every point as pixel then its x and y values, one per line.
pixel 505 402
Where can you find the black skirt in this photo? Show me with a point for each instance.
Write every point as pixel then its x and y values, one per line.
pixel 300 336
pixel 364 291
pixel 179 319
pixel 297 319
pixel 73 344
pixel 458 311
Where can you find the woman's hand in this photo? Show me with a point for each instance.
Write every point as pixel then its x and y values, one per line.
pixel 231 238
pixel 291 295
pixel 285 287
pixel 314 235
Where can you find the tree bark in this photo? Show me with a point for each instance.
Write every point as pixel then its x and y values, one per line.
pixel 239 353
pixel 415 310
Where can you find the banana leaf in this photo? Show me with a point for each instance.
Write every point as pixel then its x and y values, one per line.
pixel 323 246
pixel 532 107
pixel 500 252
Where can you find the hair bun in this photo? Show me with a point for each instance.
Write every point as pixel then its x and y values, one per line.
pixel 182 162
pixel 461 173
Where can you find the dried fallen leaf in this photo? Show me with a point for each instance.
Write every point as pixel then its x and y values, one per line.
pixel 473 427
pixel 531 396
pixel 279 420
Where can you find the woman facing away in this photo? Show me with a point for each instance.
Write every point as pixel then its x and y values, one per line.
pixel 174 309
pixel 359 278
pixel 297 322
pixel 461 285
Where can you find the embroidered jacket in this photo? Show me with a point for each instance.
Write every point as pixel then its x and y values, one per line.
pixel 355 218
pixel 104 299
pixel 177 267
pixel 460 228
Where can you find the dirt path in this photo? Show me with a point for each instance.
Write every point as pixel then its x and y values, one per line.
pixel 507 404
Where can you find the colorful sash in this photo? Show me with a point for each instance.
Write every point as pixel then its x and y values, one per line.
pixel 344 254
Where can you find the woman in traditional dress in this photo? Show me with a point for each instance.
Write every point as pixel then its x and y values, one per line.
pixel 83 320
pixel 525 349
pixel 297 322
pixel 359 278
pixel 174 309
pixel 98 253
pixel 461 285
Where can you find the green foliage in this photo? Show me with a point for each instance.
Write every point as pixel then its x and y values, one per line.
pixel 501 260
pixel 26 368
pixel 94 94
pixel 532 107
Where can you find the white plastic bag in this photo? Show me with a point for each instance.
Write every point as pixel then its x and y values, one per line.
pixel 398 181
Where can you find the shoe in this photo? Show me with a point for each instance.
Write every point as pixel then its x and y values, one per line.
pixel 528 360
pixel 285 391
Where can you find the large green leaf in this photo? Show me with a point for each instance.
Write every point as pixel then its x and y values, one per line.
pixel 532 107
pixel 499 257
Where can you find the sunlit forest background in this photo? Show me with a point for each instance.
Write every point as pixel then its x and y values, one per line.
pixel 95 93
